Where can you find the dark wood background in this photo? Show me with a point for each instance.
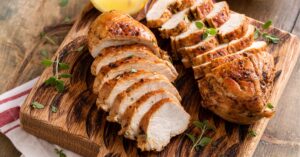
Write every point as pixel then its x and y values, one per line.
pixel 20 54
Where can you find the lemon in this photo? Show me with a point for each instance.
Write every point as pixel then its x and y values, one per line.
pixel 126 6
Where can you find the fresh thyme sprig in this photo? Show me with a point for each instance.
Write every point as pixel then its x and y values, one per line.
pixel 37 105
pixel 201 140
pixel 60 153
pixel 252 133
pixel 268 37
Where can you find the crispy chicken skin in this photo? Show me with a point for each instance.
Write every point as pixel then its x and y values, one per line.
pixel 238 91
pixel 114 28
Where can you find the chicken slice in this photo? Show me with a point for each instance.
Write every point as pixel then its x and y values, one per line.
pixel 234 28
pixel 201 9
pixel 136 91
pixel 192 36
pixel 219 15
pixel 180 5
pixel 177 24
pixel 160 124
pixel 114 29
pixel 113 54
pixel 188 53
pixel 225 49
pixel 236 91
pixel 202 69
pixel 117 85
pixel 130 120
pixel 131 64
pixel 159 13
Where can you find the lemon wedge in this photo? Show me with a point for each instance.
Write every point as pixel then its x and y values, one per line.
pixel 126 6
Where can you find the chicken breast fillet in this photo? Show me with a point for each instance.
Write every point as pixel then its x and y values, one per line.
pixel 114 29
pixel 219 15
pixel 201 9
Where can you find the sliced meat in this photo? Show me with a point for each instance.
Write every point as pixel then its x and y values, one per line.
pixel 225 49
pixel 177 24
pixel 201 9
pixel 136 91
pixel 202 69
pixel 236 91
pixel 192 36
pixel 111 89
pixel 180 5
pixel 159 125
pixel 234 28
pixel 114 29
pixel 219 15
pixel 159 13
pixel 188 53
pixel 131 64
pixel 113 54
pixel 130 120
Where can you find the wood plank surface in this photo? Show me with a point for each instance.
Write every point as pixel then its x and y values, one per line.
pixel 14 55
pixel 80 127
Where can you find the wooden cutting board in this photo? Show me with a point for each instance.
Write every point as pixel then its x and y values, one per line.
pixel 79 126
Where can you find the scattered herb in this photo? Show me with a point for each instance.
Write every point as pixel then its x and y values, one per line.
pixel 53 109
pixel 44 53
pixel 270 106
pixel 65 75
pixel 60 153
pixel 199 24
pixel 256 34
pixel 63 66
pixel 209 32
pixel 67 19
pixel 133 70
pixel 271 38
pixel 252 133
pixel 63 3
pixel 267 24
pixel 37 105
pixel 201 140
pixel 47 62
pixel 58 84
pixel 80 49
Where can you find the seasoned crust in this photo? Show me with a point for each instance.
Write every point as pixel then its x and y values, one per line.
pixel 180 5
pixel 181 27
pixel 115 26
pixel 200 11
pixel 220 17
pixel 159 22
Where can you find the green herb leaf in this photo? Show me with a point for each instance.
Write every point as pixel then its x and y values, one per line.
pixel 270 106
pixel 63 66
pixel 51 81
pixel 191 137
pixel 204 35
pixel 60 153
pixel 198 124
pixel 271 38
pixel 65 75
pixel 267 24
pixel 199 24
pixel 44 53
pixel 80 49
pixel 63 3
pixel 212 31
pixel 47 62
pixel 252 133
pixel 53 109
pixel 37 105
pixel 60 86
pixel 205 141
pixel 256 34
pixel 42 34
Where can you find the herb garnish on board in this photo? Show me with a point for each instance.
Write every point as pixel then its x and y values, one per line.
pixel 268 37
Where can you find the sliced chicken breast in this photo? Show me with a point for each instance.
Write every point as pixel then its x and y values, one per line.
pixel 192 36
pixel 114 29
pixel 159 125
pixel 136 91
pixel 225 49
pixel 130 120
pixel 113 54
pixel 188 53
pixel 234 28
pixel 219 15
pixel 177 24
pixel 117 85
pixel 159 13
pixel 202 69
pixel 180 5
pixel 201 9
pixel 131 64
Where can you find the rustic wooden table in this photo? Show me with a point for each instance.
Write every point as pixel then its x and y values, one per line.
pixel 21 23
